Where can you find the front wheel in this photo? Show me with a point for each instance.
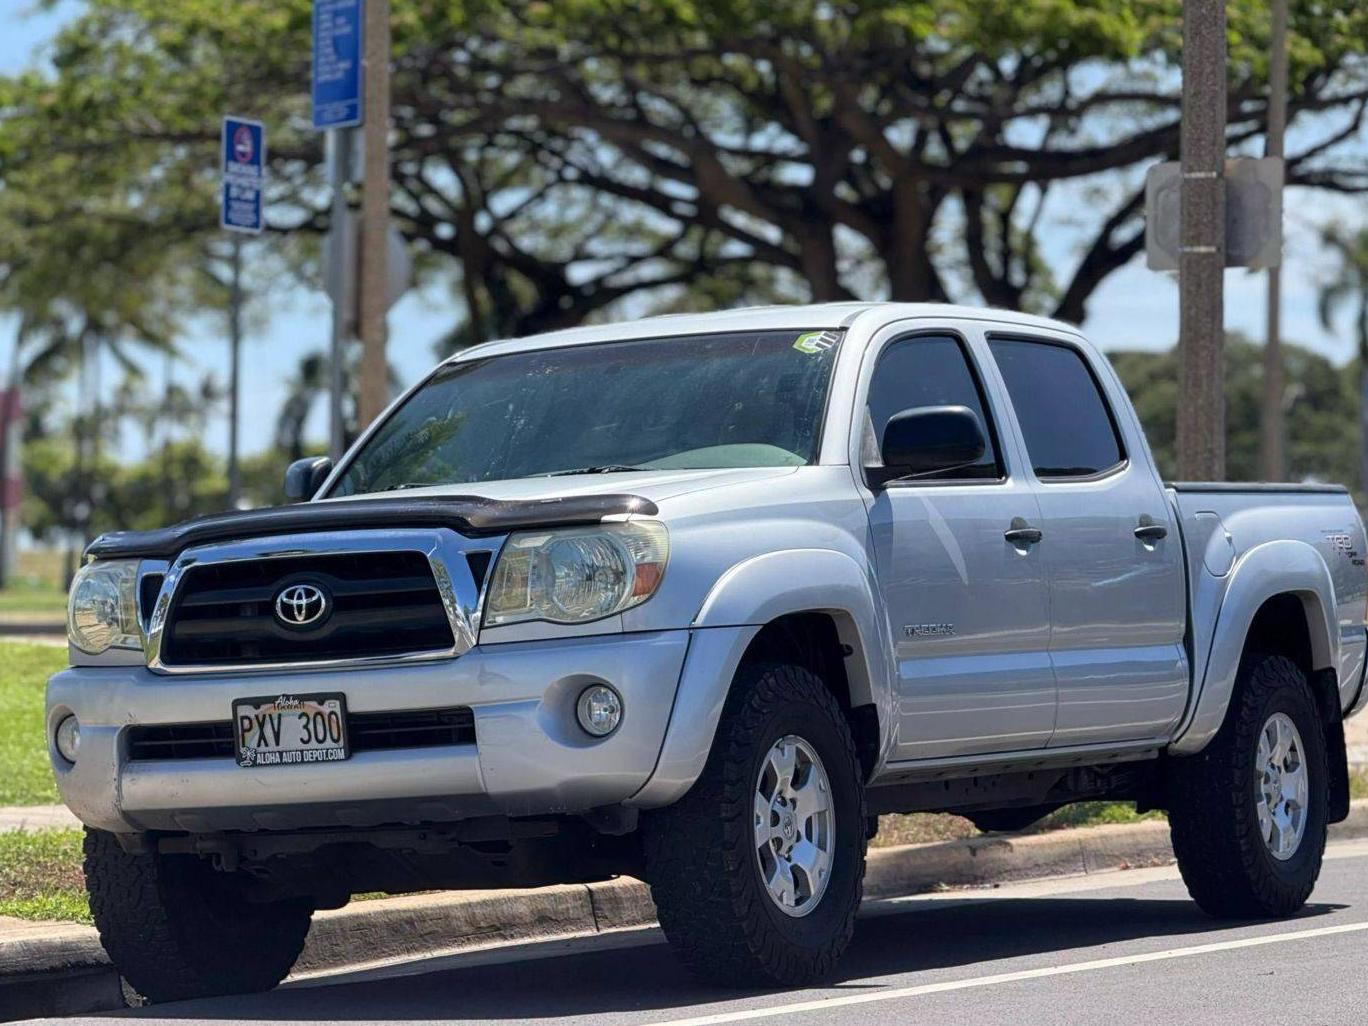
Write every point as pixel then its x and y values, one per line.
pixel 176 928
pixel 1249 814
pixel 758 871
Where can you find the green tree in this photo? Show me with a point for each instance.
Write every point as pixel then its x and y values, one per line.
pixel 1321 398
pixel 1347 291
pixel 566 160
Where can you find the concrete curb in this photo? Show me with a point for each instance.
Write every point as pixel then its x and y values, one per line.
pixel 62 970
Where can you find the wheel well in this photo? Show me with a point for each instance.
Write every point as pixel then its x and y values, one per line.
pixel 1280 628
pixel 813 640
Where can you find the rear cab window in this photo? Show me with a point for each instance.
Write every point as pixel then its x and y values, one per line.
pixel 1069 429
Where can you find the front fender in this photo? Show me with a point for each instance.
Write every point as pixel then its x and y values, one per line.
pixel 747 596
pixel 1273 568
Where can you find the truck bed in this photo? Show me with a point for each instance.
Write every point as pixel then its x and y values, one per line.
pixel 1249 531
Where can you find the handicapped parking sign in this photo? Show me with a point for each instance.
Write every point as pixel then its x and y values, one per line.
pixel 244 175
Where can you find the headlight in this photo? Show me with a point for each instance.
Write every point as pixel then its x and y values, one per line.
pixel 577 574
pixel 102 611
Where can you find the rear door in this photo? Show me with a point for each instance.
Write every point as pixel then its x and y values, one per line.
pixel 1110 546
pixel 967 605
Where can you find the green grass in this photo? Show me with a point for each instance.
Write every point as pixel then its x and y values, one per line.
pixel 925 828
pixel 25 776
pixel 1358 782
pixel 31 596
pixel 40 876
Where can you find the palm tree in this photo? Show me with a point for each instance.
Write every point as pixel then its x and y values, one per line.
pixel 1348 291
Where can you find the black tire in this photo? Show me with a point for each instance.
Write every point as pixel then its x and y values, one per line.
pixel 701 856
pixel 1228 868
pixel 176 928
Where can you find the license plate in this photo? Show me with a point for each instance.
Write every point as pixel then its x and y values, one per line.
pixel 290 730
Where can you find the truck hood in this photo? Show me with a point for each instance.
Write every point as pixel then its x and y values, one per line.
pixel 656 485
pixel 494 509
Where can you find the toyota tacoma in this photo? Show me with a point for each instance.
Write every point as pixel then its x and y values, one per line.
pixel 696 599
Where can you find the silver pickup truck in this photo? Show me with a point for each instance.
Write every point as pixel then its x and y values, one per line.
pixel 696 599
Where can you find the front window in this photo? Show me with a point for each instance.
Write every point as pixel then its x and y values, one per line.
pixel 743 399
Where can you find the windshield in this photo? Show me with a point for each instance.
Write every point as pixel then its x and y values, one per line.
pixel 745 399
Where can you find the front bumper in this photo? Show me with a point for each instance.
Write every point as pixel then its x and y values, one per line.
pixel 530 756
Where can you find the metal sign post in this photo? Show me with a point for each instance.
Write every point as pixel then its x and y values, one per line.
pixel 337 109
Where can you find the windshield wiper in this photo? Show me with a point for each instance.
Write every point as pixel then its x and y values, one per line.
pixel 408 484
pixel 607 468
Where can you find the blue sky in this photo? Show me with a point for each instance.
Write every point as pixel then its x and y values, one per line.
pixel 1134 309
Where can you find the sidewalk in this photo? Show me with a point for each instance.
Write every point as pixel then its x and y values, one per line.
pixel 32 818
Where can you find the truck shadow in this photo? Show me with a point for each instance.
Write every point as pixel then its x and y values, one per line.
pixel 939 939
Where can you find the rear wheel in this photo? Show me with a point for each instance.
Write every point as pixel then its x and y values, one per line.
pixel 757 872
pixel 176 928
pixel 1249 814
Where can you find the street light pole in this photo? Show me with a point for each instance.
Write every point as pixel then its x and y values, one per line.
pixel 1272 465
pixel 1201 261
pixel 374 300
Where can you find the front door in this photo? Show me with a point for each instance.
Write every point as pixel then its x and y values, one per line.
pixel 964 585
pixel 1110 546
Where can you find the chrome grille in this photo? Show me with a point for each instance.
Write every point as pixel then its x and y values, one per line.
pixel 380 604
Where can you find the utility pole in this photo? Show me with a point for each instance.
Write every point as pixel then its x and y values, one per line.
pixel 1201 266
pixel 234 366
pixel 1272 465
pixel 374 284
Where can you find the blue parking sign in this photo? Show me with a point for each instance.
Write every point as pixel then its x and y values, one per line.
pixel 244 175
pixel 337 63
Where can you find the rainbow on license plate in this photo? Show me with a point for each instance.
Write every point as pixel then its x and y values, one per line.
pixel 290 730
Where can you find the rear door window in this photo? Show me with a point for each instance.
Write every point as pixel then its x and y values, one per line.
pixel 1065 421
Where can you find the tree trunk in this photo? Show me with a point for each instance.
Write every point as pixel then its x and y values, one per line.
pixel 817 250
pixel 911 276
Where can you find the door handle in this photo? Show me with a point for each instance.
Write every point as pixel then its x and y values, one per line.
pixel 1022 533
pixel 1150 530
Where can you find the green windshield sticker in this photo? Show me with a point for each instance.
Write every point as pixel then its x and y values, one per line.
pixel 815 341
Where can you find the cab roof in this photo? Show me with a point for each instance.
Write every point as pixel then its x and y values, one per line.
pixel 816 316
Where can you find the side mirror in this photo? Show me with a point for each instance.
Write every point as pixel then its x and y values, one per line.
pixel 304 477
pixel 927 440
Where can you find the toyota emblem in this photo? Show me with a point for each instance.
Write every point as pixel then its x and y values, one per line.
pixel 300 605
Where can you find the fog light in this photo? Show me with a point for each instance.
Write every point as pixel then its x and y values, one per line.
pixel 599 710
pixel 68 738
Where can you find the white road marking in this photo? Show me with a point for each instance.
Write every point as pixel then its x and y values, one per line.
pixel 900 993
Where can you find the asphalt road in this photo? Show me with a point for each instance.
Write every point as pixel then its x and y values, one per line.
pixel 1121 948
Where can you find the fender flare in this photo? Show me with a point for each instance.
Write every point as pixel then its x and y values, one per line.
pixel 1265 571
pixel 750 594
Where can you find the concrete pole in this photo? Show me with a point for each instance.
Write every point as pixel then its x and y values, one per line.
pixel 234 368
pixel 1201 262
pixel 1272 462
pixel 375 198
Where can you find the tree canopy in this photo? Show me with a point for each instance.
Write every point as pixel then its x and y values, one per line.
pixel 562 159
pixel 1322 404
